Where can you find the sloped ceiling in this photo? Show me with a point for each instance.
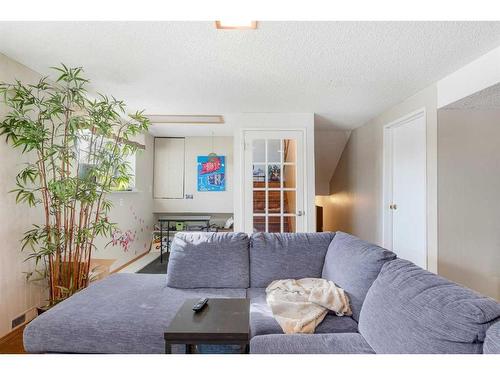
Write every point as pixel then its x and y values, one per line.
pixel 487 99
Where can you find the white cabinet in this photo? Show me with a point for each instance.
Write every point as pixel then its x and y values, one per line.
pixel 176 175
pixel 169 168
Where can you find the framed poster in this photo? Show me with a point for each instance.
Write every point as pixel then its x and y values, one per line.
pixel 211 173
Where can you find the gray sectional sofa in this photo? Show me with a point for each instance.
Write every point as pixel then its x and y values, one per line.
pixel 397 306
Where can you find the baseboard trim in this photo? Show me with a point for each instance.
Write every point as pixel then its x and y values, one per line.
pixel 30 314
pixel 130 262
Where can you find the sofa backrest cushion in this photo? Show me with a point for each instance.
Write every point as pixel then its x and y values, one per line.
pixel 354 264
pixel 411 310
pixel 492 341
pixel 276 256
pixel 208 260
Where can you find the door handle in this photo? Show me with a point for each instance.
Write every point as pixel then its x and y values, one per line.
pixel 300 213
pixel 393 207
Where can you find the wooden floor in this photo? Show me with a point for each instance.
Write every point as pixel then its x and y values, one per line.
pixel 13 342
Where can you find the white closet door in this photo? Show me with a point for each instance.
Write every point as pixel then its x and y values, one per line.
pixel 169 168
pixel 405 203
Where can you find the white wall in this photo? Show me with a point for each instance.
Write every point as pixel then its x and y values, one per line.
pixel 272 121
pixel 203 201
pixel 355 201
pixel 232 200
pixel 132 211
pixel 328 147
pixel 16 294
pixel 469 207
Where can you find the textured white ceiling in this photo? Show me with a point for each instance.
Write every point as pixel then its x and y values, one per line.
pixel 487 99
pixel 345 72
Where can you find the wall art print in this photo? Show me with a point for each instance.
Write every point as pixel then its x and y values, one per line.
pixel 211 173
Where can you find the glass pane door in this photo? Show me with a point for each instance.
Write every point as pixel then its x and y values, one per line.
pixel 276 194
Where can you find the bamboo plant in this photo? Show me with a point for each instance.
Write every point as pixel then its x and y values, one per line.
pixel 78 147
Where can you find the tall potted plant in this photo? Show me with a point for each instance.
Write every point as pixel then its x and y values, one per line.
pixel 79 146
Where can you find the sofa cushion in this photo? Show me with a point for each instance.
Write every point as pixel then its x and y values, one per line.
pixel 410 310
pixel 492 341
pixel 275 256
pixel 334 343
pixel 353 265
pixel 208 260
pixel 124 313
pixel 262 321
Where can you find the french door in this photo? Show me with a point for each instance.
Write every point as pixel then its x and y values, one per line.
pixel 274 181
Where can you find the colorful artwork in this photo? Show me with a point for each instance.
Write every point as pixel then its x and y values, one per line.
pixel 211 173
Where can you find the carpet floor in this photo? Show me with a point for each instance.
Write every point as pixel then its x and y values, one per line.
pixel 156 266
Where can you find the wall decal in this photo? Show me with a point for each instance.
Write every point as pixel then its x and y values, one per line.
pixel 123 239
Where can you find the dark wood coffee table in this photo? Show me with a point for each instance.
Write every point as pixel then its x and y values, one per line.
pixel 222 321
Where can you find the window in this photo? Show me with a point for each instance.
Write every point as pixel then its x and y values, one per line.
pixel 130 160
pixel 85 162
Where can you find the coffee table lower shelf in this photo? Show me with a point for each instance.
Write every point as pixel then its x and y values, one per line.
pixel 223 321
pixel 190 347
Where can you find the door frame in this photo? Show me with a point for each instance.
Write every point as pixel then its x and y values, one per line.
pixel 387 179
pixel 243 173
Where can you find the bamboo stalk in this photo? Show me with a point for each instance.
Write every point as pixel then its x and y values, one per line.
pixel 115 147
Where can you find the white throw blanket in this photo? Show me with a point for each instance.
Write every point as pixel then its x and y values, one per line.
pixel 300 305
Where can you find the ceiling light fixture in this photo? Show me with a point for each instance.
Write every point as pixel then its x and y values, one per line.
pixel 235 25
pixel 186 119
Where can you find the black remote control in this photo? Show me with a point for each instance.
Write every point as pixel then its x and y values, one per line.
pixel 200 304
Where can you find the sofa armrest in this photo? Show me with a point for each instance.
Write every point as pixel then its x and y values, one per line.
pixel 492 340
